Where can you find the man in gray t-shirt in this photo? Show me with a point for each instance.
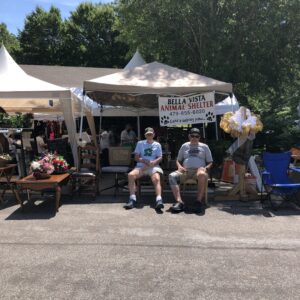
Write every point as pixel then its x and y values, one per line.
pixel 193 161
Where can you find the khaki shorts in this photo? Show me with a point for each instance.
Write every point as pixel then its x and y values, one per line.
pixel 189 174
pixel 151 171
pixel 177 177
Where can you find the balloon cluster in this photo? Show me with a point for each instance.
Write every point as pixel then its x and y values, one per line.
pixel 241 123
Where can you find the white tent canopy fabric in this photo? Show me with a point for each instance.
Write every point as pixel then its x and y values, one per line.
pixel 140 86
pixel 227 105
pixel 23 92
pixel 136 61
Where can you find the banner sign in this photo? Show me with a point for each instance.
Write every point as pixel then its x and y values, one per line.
pixel 193 109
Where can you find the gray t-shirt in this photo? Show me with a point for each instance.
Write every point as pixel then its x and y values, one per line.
pixel 194 156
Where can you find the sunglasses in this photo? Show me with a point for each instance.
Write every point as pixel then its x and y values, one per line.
pixel 196 136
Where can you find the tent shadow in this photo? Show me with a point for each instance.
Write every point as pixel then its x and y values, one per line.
pixel 253 208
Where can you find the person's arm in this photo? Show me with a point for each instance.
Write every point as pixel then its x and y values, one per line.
pixel 180 160
pixel 208 159
pixel 155 161
pixel 180 167
pixel 208 166
pixel 137 158
pixel 137 154
pixel 158 158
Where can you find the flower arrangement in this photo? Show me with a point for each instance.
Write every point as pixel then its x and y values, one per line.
pixel 60 164
pixel 42 165
pixel 241 123
pixel 49 163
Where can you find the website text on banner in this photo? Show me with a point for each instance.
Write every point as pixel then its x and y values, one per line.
pixel 193 109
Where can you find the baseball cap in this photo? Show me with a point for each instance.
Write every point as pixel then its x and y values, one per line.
pixel 149 130
pixel 194 130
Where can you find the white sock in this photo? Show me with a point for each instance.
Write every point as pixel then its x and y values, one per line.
pixel 133 197
pixel 158 198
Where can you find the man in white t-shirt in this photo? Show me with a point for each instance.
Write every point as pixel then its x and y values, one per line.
pixel 41 145
pixel 148 155
pixel 128 136
pixel 193 161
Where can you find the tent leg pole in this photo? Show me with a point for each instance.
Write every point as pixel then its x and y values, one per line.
pixel 139 127
pixel 216 127
pixel 81 116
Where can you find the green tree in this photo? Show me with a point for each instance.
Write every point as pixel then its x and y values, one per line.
pixel 9 40
pixel 90 37
pixel 253 44
pixel 41 39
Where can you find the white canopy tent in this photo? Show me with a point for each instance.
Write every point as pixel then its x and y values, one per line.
pixel 139 87
pixel 226 105
pixel 22 92
pixel 136 61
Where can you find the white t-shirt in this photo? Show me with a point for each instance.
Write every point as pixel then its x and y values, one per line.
pixel 40 144
pixel 147 151
pixel 104 141
pixel 128 137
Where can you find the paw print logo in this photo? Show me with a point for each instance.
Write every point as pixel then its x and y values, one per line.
pixel 165 120
pixel 210 116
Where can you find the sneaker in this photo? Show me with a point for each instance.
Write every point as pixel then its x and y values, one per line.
pixel 159 204
pixel 177 207
pixel 199 207
pixel 130 204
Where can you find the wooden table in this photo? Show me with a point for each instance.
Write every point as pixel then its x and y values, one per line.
pixel 54 182
pixel 6 174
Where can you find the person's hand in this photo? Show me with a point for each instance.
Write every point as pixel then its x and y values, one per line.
pixel 152 163
pixel 202 169
pixel 146 162
pixel 181 169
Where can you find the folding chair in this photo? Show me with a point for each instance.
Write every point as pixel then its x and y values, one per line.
pixel 276 177
pixel 86 179
pixel 120 160
pixel 185 182
pixel 146 181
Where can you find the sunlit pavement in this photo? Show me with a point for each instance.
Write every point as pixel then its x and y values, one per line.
pixel 94 249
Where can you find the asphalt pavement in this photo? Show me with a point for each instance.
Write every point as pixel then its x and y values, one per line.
pixel 94 249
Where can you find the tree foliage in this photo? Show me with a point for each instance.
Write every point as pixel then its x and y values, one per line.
pixel 90 37
pixel 8 39
pixel 253 44
pixel 41 38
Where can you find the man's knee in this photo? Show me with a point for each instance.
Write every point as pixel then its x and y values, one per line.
pixel 201 177
pixel 132 176
pixel 155 178
pixel 173 179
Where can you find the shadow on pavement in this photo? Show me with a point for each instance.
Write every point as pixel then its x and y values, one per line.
pixel 255 208
pixel 39 208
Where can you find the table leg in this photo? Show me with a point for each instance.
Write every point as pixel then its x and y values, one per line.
pixel 57 197
pixel 17 194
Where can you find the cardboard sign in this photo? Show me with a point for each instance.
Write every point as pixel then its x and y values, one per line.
pixel 192 109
